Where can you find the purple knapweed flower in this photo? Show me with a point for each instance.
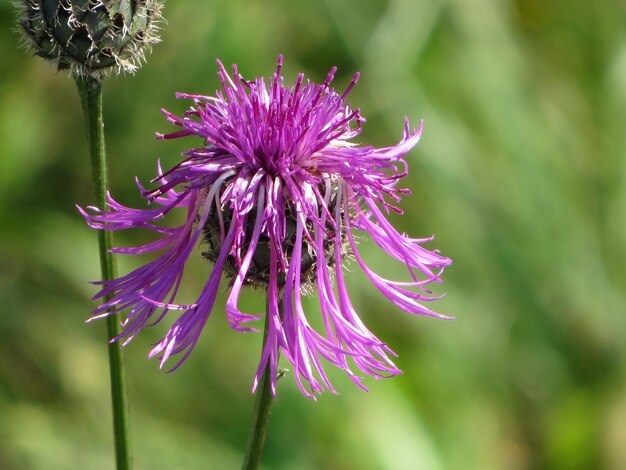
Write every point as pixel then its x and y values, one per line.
pixel 275 192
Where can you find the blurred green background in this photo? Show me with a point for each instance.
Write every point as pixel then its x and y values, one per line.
pixel 520 174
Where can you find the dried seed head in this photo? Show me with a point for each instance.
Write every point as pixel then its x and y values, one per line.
pixel 91 37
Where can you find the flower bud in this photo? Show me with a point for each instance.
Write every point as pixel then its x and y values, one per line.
pixel 91 37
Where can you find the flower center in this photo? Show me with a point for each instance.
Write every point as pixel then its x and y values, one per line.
pixel 258 274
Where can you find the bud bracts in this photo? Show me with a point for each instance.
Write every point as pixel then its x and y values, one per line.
pixel 91 37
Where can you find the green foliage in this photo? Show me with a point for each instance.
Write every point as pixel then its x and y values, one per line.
pixel 520 174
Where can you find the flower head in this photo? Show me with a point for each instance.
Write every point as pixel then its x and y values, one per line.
pixel 91 37
pixel 276 192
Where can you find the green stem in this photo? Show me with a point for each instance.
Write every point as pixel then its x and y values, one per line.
pixel 90 91
pixel 262 411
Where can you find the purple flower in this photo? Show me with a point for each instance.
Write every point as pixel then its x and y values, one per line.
pixel 275 193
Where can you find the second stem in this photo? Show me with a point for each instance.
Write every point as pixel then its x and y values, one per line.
pixel 262 408
pixel 90 90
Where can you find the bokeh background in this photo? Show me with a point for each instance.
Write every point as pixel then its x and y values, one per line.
pixel 520 174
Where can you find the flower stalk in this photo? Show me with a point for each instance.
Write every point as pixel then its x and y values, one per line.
pixel 262 409
pixel 90 90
